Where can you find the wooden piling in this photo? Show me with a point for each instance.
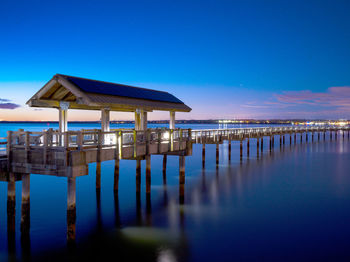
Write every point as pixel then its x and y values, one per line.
pixel 25 208
pixel 295 138
pixel 270 143
pixel 280 140
pixel 290 139
pixel 138 175
pixel 165 159
pixel 257 146
pixel 312 137
pixel 98 175
pixel 241 149
pixel 71 208
pixel 248 147
pixel 11 203
pixel 318 136
pixel 284 140
pixel 262 144
pixel 307 137
pixel 217 154
pixel 229 149
pixel 148 174
pixel 182 179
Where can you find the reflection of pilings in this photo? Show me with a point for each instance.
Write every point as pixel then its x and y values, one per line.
pixel 11 203
pixel 148 210
pixel 284 140
pixel 301 137
pixel 116 174
pixel 182 179
pixel 330 135
pixel 318 136
pixel 307 136
pixel 262 144
pixel 138 175
pixel 148 174
pixel 270 143
pixel 290 139
pixel 312 137
pixel 138 209
pixel 295 138
pixel 25 209
pixel 11 215
pixel 71 208
pixel 280 140
pixel 98 175
pixel 116 210
pixel 336 135
pixel 257 146
pixel 273 142
pixel 324 135
pixel 217 154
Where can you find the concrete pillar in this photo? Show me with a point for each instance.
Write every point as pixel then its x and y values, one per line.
pixel 182 179
pixel 148 174
pixel 172 120
pixel 11 203
pixel 63 120
pixel 71 208
pixel 25 209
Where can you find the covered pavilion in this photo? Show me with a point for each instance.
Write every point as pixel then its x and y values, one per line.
pixel 68 92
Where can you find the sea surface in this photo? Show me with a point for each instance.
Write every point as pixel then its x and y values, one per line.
pixel 290 204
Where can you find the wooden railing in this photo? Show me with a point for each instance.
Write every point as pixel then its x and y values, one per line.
pixel 3 144
pixel 86 139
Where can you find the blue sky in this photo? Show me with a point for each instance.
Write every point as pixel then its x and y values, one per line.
pixel 225 59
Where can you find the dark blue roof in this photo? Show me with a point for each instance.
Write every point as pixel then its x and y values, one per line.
pixel 105 88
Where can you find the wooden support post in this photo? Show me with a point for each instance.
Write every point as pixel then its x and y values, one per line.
pixel 262 144
pixel 229 149
pixel 25 208
pixel 203 155
pixel 270 143
pixel 148 174
pixel 71 208
pixel 182 179
pixel 165 158
pixel 217 154
pixel 307 136
pixel 336 134
pixel 248 147
pixel 318 136
pixel 330 135
pixel 301 138
pixel 290 139
pixel 312 137
pixel 257 146
pixel 11 203
pixel 98 175
pixel 116 173
pixel 138 176
pixel 284 140
pixel 241 149
pixel 295 138
pixel 138 119
pixel 273 142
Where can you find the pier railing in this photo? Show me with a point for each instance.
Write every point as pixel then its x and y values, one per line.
pixel 3 145
pixel 86 139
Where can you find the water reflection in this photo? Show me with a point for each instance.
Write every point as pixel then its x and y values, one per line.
pixel 226 178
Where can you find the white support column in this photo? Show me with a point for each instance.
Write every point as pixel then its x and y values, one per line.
pixel 63 123
pixel 63 119
pixel 105 117
pixel 172 120
pixel 138 119
pixel 143 120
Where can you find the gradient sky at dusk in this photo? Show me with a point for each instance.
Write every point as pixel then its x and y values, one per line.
pixel 225 59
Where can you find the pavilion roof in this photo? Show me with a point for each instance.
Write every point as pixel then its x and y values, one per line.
pixel 82 93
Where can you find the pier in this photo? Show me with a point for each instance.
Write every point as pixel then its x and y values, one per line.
pixel 67 153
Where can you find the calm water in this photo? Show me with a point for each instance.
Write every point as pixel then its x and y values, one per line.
pixel 288 205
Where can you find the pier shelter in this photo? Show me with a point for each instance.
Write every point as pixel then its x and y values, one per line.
pixel 68 92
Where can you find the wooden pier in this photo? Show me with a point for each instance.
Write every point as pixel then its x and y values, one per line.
pixel 68 153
